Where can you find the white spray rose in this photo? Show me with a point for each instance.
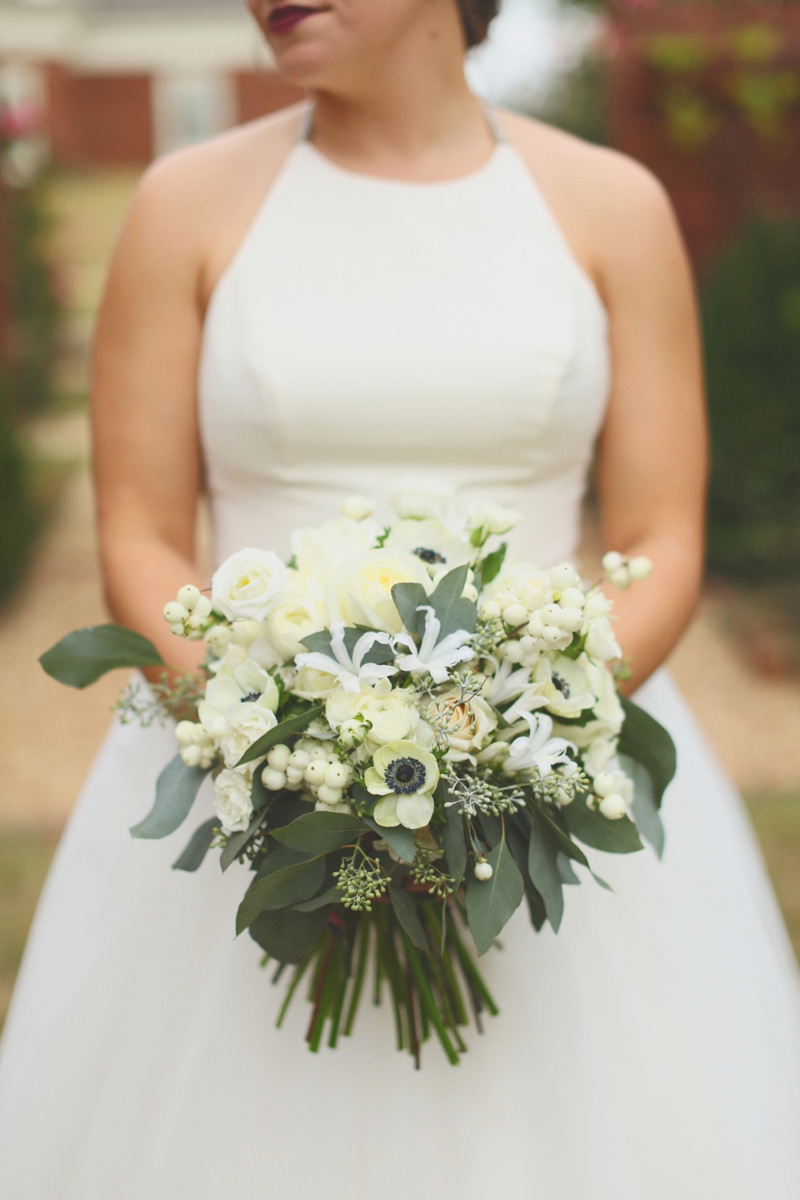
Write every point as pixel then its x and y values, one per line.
pixel 247 722
pixel 232 800
pixel 248 584
pixel 467 724
pixel 311 684
pixel 300 613
pixel 393 717
pixel 363 591
pixel 600 641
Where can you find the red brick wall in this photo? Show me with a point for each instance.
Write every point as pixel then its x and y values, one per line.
pixel 261 92
pixel 99 120
pixel 719 159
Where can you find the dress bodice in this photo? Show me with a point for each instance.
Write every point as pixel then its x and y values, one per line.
pixel 370 332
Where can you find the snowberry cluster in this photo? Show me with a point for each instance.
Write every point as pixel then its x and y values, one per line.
pixel 188 615
pixel 622 571
pixel 542 616
pixel 197 747
pixel 607 797
pixel 309 767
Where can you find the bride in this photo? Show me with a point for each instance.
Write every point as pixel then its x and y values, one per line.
pixel 391 281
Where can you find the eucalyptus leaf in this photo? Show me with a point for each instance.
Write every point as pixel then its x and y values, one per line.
pixel 281 732
pixel 593 829
pixel 281 889
pixel 492 564
pixel 287 935
pixel 406 912
pixel 645 740
pixel 454 843
pixel 320 832
pixel 490 903
pixel 176 790
pixel 197 847
pixel 568 876
pixel 565 843
pixel 398 837
pixel 238 841
pixel 644 808
pixel 452 610
pixel 331 896
pixel 408 599
pixel 83 656
pixel 543 869
pixel 278 857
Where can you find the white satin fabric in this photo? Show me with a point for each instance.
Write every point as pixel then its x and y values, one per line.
pixel 651 1051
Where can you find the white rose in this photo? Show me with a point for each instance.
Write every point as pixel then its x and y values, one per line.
pixel 599 754
pixel 467 724
pixel 597 605
pixel 363 592
pixel 300 612
pixel 248 584
pixel 323 551
pixel 492 518
pixel 311 684
pixel 232 800
pixel 600 641
pixel 233 683
pixel 247 722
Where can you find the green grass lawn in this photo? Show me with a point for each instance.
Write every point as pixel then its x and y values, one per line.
pixel 25 857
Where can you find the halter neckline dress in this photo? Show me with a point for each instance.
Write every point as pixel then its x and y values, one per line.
pixel 369 331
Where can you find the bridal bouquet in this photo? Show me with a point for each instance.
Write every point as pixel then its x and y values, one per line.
pixel 407 737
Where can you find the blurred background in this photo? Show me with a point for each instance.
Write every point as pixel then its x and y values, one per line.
pixel 704 92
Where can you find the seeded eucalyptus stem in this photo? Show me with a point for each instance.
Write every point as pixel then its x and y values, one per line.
pixel 431 990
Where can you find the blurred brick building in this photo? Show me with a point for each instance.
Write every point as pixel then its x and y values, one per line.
pixel 708 96
pixel 120 81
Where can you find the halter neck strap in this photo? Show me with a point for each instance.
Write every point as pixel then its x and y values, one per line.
pixel 306 127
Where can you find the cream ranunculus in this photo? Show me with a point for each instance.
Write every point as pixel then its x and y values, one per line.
pixel 311 684
pixel 300 612
pixel 248 584
pixel 247 722
pixel 232 800
pixel 393 717
pixel 363 591
pixel 323 552
pixel 467 724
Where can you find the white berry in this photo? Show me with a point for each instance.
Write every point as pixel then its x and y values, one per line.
pixel 299 759
pixel 483 871
pixel 603 783
pixel 272 779
pixel 612 561
pixel 188 596
pixel 337 776
pixel 515 614
pixel 315 772
pixel 640 567
pixel 329 795
pixel 174 612
pixel 279 757
pixel 613 807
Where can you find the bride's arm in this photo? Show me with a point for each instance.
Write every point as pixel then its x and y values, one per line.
pixel 147 460
pixel 651 470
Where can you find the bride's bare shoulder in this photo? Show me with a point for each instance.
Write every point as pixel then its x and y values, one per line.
pixel 197 203
pixel 603 200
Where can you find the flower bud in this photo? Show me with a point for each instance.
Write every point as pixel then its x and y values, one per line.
pixel 613 807
pixel 483 871
pixel 612 561
pixel 515 614
pixel 175 612
pixel 273 779
pixel 188 596
pixel 279 757
pixel 640 567
pixel 603 784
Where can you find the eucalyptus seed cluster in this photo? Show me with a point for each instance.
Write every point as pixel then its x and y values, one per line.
pixel 424 873
pixel 489 634
pixel 360 884
pixel 161 701
pixel 561 788
pixel 476 794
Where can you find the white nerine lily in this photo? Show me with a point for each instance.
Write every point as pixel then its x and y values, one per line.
pixel 350 672
pixel 538 751
pixel 507 684
pixel 437 660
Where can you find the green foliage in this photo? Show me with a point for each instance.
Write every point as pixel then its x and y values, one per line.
pixel 82 657
pixel 578 101
pixel 320 832
pixel 645 740
pixel 751 326
pixel 490 903
pixel 191 859
pixel 281 732
pixel 176 791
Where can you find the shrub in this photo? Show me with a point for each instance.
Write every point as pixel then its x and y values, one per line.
pixel 751 326
pixel 17 512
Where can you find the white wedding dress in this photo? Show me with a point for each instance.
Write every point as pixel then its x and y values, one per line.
pixel 365 331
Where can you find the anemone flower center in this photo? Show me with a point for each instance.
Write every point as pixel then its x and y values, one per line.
pixel 405 776
pixel 429 556
pixel 561 685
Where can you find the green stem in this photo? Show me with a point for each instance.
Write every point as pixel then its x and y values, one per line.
pixel 361 970
pixel 299 972
pixel 471 971
pixel 427 1002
